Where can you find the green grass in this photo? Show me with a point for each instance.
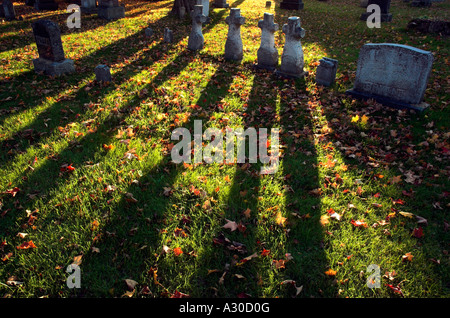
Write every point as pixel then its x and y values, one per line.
pixel 127 209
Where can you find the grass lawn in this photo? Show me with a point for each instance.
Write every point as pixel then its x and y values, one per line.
pixel 86 175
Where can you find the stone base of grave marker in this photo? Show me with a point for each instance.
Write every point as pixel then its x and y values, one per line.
pixel 53 68
pixel 392 74
pixel 326 71
pixel 111 10
pixel 168 35
pixel 420 3
pixel 292 4
pixel 221 4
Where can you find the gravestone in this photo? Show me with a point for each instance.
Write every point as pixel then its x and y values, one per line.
pixel 292 58
pixel 148 32
pixel 384 8
pixel 292 4
pixel 196 40
pixel 267 53
pixel 88 6
pixel 221 4
pixel 205 6
pixel 326 71
pixel 168 35
pixel 430 26
pixel 49 5
pixel 51 59
pixel 110 10
pixel 234 49
pixel 268 4
pixel 394 75
pixel 364 3
pixel 8 10
pixel 103 73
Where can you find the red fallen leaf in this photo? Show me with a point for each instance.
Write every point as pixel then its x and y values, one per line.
pixel 177 294
pixel 418 232
pixel 395 289
pixel 265 252
pixel 358 223
pixel 177 251
pixel 13 191
pixel 399 201
pixel 26 245
pixel 67 168
pixel 243 295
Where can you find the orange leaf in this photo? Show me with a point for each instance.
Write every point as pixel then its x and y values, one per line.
pixel 330 272
pixel 177 251
pixel 26 245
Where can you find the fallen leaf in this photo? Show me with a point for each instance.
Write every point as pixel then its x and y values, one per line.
pixel 231 225
pixel 280 220
pixel 26 245
pixel 407 257
pixel 331 272
pixel 177 251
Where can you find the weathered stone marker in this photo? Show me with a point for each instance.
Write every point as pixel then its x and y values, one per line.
pixel 221 4
pixel 148 32
pixel 50 5
pixel 292 58
pixel 88 6
pixel 51 59
pixel 110 10
pixel 394 75
pixel 384 8
pixel 234 49
pixel 168 35
pixel 103 73
pixel 8 10
pixel 326 71
pixel 267 53
pixel 292 4
pixel 196 40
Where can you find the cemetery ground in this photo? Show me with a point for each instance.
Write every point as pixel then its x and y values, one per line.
pixel 86 175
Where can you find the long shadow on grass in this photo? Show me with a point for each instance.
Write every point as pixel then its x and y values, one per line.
pixel 32 133
pixel 48 179
pixel 167 212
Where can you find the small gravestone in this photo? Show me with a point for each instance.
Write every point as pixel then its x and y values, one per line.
pixel 221 4
pixel 51 59
pixel 420 3
pixel 43 5
pixel 196 40
pixel 267 53
pixel 292 4
pixel 88 6
pixel 234 49
pixel 394 75
pixel 103 73
pixel 384 8
pixel 268 4
pixel 168 35
pixel 292 58
pixel 430 26
pixel 326 71
pixel 8 10
pixel 148 32
pixel 110 10
pixel 364 3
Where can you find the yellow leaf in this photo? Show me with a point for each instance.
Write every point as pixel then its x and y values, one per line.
pixel 330 272
pixel 324 219
pixel 364 119
pixel 280 220
pixel 355 119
